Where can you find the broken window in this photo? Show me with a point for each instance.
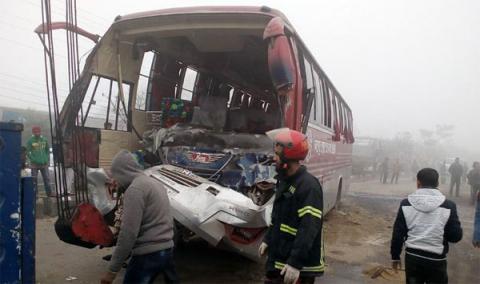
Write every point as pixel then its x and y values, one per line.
pixel 308 74
pixel 103 106
pixel 144 88
pixel 163 82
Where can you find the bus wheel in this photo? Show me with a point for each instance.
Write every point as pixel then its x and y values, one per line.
pixel 339 195
pixel 177 234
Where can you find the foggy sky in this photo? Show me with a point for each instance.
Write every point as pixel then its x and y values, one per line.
pixel 400 65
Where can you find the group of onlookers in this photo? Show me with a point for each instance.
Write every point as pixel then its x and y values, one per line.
pixel 385 171
pixel 459 173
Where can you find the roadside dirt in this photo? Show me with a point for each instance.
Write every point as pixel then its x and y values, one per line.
pixel 357 241
pixel 355 236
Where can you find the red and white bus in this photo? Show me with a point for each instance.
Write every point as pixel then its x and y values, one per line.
pixel 196 89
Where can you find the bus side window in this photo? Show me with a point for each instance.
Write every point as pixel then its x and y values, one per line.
pixel 350 123
pixel 188 85
pixel 319 100
pixel 144 87
pixel 328 106
pixel 103 107
pixel 309 87
pixel 334 108
pixel 164 80
pixel 336 116
pixel 308 74
pixel 340 115
pixel 325 102
pixel 345 120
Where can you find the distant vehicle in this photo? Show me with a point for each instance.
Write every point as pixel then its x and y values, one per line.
pixel 200 87
pixel 365 155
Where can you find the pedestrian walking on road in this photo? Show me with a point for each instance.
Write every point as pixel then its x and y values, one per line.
pixel 38 153
pixel 146 229
pixel 426 222
pixel 443 172
pixel 384 168
pixel 294 241
pixel 474 181
pixel 396 171
pixel 414 168
pixel 466 170
pixel 456 172
pixel 476 224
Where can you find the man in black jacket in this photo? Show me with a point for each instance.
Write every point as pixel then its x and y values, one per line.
pixel 294 240
pixel 426 222
pixel 456 172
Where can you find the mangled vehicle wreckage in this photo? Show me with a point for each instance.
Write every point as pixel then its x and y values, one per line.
pixel 192 92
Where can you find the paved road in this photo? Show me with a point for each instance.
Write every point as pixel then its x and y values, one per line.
pixel 357 237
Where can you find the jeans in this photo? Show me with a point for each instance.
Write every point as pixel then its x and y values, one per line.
pixel 145 268
pixel 45 177
pixel 384 177
pixel 474 190
pixel 420 270
pixel 395 177
pixel 455 181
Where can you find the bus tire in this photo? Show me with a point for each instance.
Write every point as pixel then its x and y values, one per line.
pixel 339 195
pixel 178 235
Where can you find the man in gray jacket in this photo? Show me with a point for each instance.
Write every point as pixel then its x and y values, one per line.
pixel 146 230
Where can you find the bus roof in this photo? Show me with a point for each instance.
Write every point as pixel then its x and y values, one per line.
pixel 259 10
pixel 263 10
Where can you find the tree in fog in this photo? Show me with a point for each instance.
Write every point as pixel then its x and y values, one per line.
pixel 434 144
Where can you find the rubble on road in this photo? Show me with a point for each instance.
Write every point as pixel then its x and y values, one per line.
pixel 378 271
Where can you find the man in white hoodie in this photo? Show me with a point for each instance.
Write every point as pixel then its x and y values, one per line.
pixel 426 222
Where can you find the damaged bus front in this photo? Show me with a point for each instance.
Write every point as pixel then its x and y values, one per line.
pixel 192 92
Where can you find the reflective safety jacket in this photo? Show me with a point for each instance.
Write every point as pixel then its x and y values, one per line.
pixel 295 236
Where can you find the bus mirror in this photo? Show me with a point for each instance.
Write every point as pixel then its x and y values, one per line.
pixel 284 89
pixel 281 64
pixel 280 56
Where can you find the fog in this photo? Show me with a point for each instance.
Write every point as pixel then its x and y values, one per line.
pixel 402 66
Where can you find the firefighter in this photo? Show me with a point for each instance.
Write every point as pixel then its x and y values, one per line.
pixel 294 242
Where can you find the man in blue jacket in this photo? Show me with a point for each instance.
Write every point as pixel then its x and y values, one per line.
pixel 456 173
pixel 426 222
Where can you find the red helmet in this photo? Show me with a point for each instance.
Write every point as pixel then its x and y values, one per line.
pixel 295 144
